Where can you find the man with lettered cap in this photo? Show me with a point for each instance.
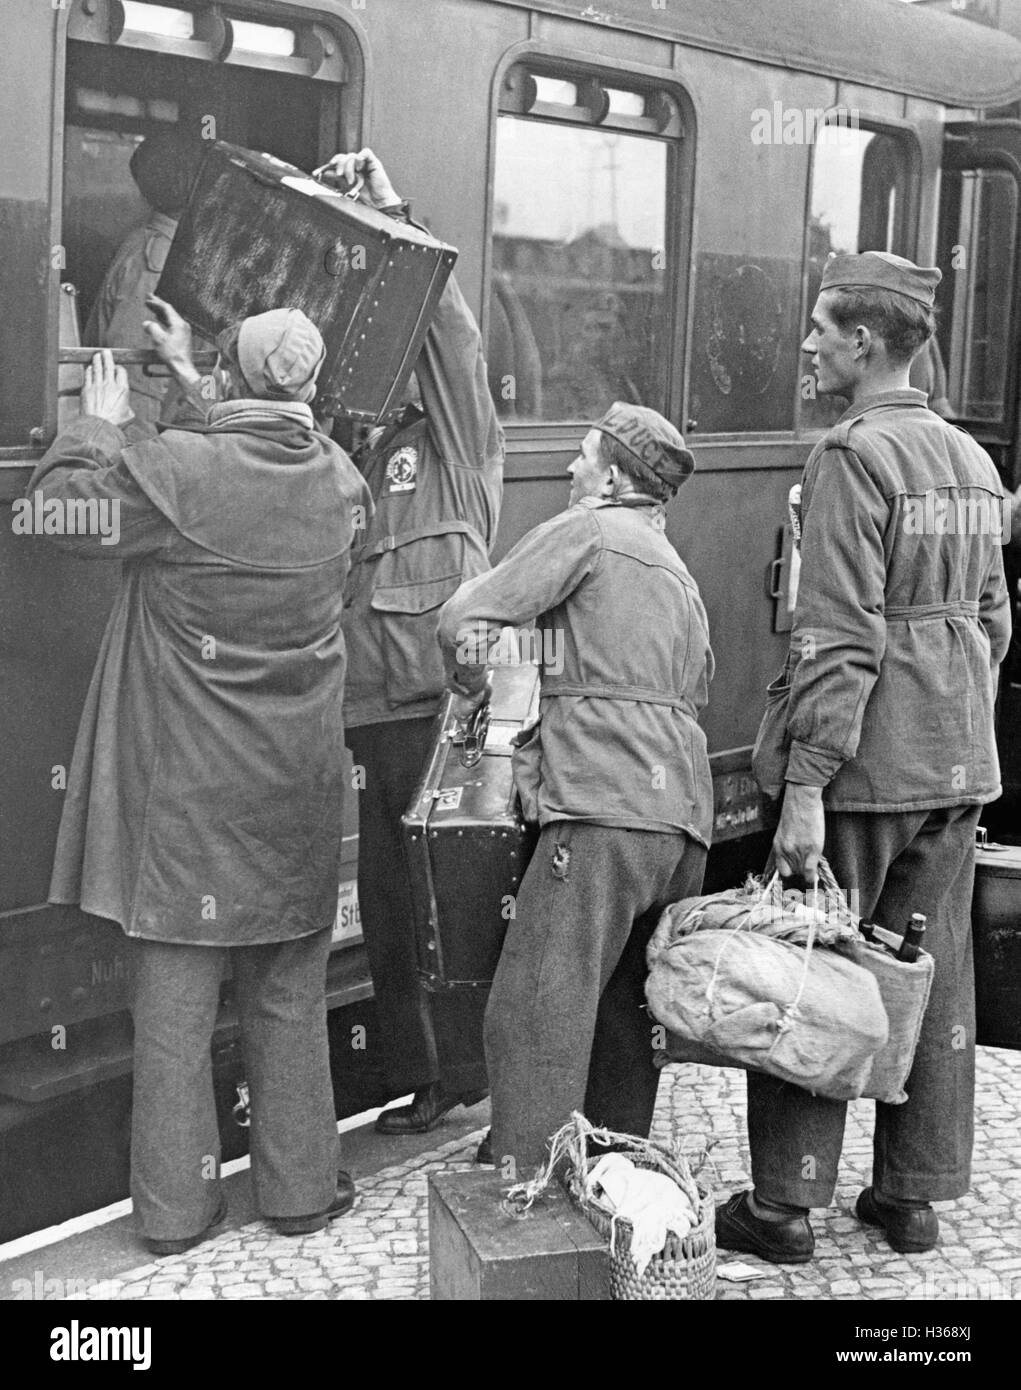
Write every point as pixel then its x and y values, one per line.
pixel 615 772
pixel 205 797
pixel 887 752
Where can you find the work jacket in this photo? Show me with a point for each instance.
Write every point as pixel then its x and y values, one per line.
pixel 902 614
pixel 437 488
pixel 204 800
pixel 626 664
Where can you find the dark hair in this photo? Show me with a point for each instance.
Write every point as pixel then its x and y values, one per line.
pixel 904 325
pixel 164 165
pixel 612 451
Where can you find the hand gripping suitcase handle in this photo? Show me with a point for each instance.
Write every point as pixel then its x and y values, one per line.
pixel 470 735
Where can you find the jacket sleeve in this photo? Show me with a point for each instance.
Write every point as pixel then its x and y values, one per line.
pixel 543 568
pixel 451 374
pixel 839 635
pixel 83 472
pixel 994 611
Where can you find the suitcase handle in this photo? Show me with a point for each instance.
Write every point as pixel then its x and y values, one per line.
pixel 471 735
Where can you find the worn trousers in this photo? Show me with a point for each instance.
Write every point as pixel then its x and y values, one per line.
pixel 899 863
pixel 566 1026
pixel 280 989
pixel 424 1037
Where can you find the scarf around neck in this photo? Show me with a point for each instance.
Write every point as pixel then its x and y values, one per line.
pixel 233 415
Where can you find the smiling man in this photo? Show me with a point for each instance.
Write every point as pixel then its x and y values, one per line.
pixel 898 634
pixel 615 772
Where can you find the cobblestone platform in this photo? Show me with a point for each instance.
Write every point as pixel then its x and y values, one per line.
pixel 380 1249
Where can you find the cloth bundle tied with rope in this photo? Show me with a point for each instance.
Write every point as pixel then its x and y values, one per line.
pixel 738 980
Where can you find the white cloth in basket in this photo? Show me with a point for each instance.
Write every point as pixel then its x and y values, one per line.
pixel 652 1202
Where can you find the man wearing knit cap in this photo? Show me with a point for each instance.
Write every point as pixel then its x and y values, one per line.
pixel 163 167
pixel 207 785
pixel 901 623
pixel 615 772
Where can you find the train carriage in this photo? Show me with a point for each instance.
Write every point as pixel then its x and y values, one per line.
pixel 643 196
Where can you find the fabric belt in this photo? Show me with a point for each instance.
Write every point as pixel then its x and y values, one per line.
pixel 419 533
pixel 619 692
pixel 960 608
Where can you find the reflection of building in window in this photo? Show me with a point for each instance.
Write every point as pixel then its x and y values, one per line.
pixel 580 295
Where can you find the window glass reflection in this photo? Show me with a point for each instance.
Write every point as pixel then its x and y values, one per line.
pixel 858 203
pixel 580 295
pixel 979 221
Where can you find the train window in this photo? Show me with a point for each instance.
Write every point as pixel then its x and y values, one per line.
pixel 580 306
pixel 862 188
pixel 978 220
pixel 136 70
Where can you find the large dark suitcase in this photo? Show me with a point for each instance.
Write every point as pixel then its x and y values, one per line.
pixel 260 234
pixel 466 843
pixel 996 927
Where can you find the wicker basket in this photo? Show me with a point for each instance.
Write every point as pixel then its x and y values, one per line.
pixel 685 1269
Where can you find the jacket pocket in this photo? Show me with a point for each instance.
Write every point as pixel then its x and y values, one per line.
pixel 408 614
pixel 773 741
pixel 526 769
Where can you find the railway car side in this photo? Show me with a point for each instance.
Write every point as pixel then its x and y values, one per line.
pixel 642 199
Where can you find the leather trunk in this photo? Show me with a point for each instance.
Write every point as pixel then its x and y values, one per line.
pixel 260 234
pixel 466 843
pixel 996 926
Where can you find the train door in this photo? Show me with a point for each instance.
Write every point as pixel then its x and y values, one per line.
pixel 979 302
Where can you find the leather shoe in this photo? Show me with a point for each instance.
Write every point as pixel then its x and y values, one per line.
pixel 426 1110
pixel 183 1243
pixel 304 1225
pixel 786 1242
pixel 484 1153
pixel 909 1230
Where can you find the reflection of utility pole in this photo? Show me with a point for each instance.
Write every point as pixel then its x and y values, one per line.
pixel 613 168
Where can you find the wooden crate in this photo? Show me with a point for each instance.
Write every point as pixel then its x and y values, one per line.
pixel 479 1253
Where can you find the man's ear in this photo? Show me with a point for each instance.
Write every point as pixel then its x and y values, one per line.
pixel 862 341
pixel 610 483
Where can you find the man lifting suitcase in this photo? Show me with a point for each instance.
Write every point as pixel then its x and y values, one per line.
pixel 616 773
pixel 437 486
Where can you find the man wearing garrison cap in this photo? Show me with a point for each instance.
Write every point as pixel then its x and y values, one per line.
pixel 615 772
pixel 889 753
pixel 205 796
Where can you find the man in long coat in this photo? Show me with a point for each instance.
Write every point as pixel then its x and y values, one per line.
pixel 203 808
pixel 902 621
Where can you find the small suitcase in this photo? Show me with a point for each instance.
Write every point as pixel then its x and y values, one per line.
pixel 260 234
pixel 996 928
pixel 466 843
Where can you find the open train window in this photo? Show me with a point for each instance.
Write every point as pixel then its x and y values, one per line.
pixel 861 199
pixel 133 69
pixel 582 286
